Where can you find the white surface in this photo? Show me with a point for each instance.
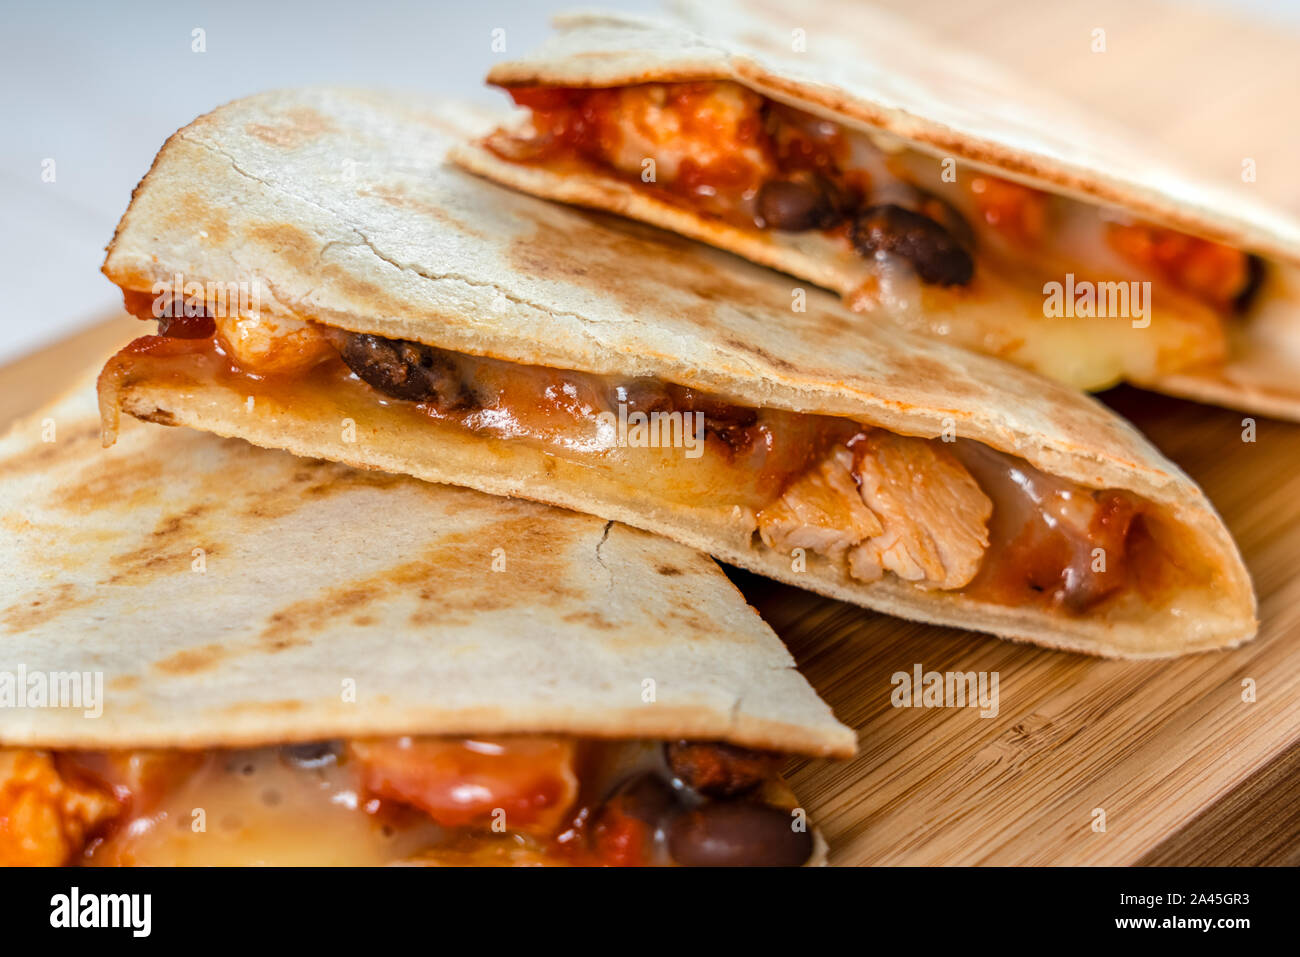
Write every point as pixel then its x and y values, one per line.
pixel 98 86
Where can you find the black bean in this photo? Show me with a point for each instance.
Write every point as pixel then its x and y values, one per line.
pixel 738 834
pixel 799 203
pixel 936 256
pixel 647 797
pixel 917 200
pixel 407 370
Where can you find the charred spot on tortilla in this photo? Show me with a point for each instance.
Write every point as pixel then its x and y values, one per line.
pixel 293 129
pixel 45 605
pixel 191 661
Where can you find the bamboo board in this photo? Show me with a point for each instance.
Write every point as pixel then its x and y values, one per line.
pixel 1185 771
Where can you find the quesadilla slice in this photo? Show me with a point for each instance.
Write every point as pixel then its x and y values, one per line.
pixel 216 654
pixel 413 318
pixel 919 183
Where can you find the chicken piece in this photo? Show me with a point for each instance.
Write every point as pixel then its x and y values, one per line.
pixel 934 514
pixel 45 820
pixel 144 776
pixel 893 503
pixel 265 344
pixel 821 511
pixel 712 130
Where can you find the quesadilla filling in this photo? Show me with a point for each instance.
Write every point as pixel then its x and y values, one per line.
pixel 944 516
pixel 423 800
pixel 944 248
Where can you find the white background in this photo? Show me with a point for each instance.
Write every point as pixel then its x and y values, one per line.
pixel 98 86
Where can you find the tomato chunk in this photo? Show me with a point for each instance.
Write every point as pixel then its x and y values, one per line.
pixel 467 782
pixel 1214 273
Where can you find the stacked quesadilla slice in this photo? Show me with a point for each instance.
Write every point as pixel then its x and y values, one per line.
pixel 922 184
pixel 408 317
pixel 216 654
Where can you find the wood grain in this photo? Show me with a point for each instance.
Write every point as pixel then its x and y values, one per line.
pixel 36 378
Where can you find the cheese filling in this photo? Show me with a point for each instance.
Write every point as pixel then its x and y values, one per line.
pixel 937 515
pixel 527 799
pixel 1049 282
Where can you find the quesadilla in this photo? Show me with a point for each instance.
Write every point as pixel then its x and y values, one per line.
pixel 921 184
pixel 416 319
pixel 216 654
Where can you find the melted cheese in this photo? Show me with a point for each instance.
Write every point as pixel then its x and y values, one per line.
pixel 1025 239
pixel 252 808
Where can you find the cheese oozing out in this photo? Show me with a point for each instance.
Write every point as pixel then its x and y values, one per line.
pixel 1080 293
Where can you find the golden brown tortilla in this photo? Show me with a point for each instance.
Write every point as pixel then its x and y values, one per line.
pixel 338 207
pixel 231 596
pixel 868 71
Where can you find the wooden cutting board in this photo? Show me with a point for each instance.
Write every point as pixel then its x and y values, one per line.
pixel 1185 771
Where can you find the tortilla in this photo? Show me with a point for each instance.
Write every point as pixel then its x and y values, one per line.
pixel 904 90
pixel 336 208
pixel 233 597
pixel 314 573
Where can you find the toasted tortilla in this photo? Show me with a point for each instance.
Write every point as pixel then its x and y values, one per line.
pixel 337 207
pixel 230 595
pixel 869 71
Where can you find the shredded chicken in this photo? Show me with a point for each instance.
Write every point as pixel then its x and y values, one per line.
pixel 821 511
pixel 893 503
pixel 266 344
pixel 935 515
pixel 706 125
pixel 45 820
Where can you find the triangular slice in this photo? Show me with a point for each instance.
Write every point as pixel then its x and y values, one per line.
pixel 406 316
pixel 216 654
pixel 923 184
